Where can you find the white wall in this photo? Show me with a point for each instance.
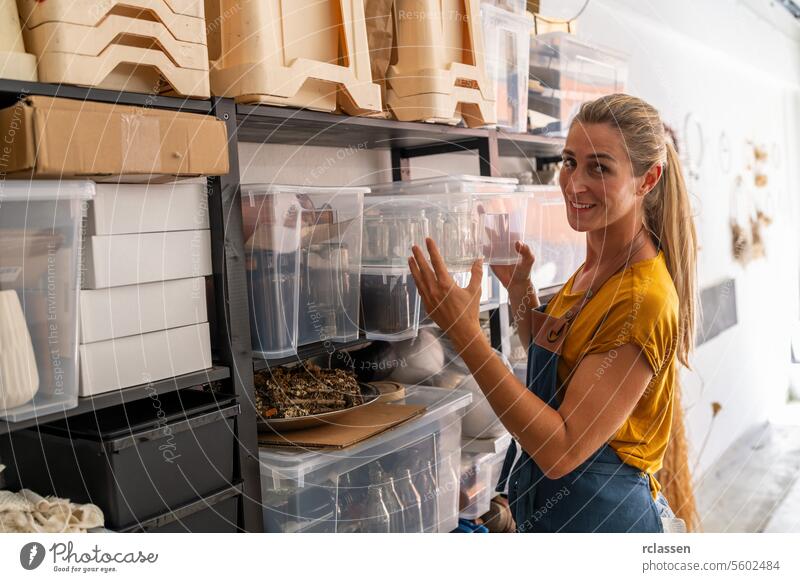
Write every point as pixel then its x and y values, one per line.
pixel 733 72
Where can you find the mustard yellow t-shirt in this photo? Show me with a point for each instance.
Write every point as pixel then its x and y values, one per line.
pixel 638 305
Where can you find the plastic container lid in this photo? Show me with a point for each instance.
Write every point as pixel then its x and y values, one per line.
pixel 22 190
pixel 463 183
pixel 294 466
pixel 265 189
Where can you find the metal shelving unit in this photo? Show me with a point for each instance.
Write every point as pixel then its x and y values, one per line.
pixel 234 362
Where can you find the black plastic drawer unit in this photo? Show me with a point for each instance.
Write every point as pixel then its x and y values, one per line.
pixel 135 461
pixel 217 513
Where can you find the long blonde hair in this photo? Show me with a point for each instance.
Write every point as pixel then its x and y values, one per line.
pixel 667 212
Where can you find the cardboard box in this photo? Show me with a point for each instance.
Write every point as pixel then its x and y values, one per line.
pixel 135 259
pixel 52 137
pixel 136 309
pixel 138 208
pixel 139 359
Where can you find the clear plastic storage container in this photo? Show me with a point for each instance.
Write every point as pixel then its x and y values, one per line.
pixel 503 216
pixel 480 473
pixel 507 42
pixel 390 304
pixel 559 249
pixel 304 264
pixel 402 480
pixel 566 72
pixel 40 246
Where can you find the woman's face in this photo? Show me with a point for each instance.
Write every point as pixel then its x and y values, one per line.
pixel 597 178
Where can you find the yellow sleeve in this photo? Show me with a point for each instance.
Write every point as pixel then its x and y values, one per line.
pixel 644 314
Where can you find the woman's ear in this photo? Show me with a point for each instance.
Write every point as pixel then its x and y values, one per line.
pixel 651 178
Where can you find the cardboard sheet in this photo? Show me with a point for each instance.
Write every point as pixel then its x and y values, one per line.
pixel 348 429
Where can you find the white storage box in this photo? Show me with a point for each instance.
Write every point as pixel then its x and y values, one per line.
pixel 507 41
pixel 559 249
pixel 402 480
pixel 134 259
pixel 480 473
pixel 139 359
pixel 40 256
pixel 566 72
pixel 138 208
pixel 135 309
pixel 498 444
pixel 304 264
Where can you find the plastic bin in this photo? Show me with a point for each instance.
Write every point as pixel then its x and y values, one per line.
pixel 504 215
pixel 390 304
pixel 515 6
pixel 40 257
pixel 507 41
pixel 402 480
pixel 298 53
pixel 327 242
pixel 135 461
pixel 559 249
pixel 15 63
pixel 566 72
pixel 437 70
pixel 480 473
pixel 448 206
pixel 133 45
pixel 217 513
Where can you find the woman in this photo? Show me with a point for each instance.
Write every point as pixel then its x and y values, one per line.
pixel 594 420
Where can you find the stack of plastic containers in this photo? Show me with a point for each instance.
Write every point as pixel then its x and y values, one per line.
pixel 305 53
pixel 39 281
pixel 559 249
pixel 566 72
pixel 402 480
pixel 134 45
pixel 303 247
pixel 480 473
pixel 15 63
pixel 507 41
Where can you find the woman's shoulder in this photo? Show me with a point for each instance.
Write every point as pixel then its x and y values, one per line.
pixel 649 285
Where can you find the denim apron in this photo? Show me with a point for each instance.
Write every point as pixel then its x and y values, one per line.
pixel 603 494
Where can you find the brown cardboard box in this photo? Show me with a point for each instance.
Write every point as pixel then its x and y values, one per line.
pixel 53 137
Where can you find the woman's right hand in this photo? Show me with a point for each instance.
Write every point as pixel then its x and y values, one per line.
pixel 519 274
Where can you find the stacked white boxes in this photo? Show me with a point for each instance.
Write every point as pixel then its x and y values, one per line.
pixel 147 249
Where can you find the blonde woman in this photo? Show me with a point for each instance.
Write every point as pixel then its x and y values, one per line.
pixel 594 420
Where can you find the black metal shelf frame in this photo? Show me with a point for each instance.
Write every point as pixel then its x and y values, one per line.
pixel 234 362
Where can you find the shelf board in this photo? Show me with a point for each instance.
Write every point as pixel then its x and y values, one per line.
pixel 522 145
pixel 309 351
pixel 301 127
pixel 270 124
pixel 12 90
pixel 115 397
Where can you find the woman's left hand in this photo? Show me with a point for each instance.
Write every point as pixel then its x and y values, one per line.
pixel 453 309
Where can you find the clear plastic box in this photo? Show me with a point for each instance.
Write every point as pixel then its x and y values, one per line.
pixel 40 259
pixel 559 249
pixel 566 72
pixel 503 216
pixel 304 264
pixel 402 480
pixel 507 42
pixel 390 304
pixel 480 473
pixel 515 6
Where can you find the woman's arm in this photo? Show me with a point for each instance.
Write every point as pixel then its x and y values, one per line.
pixel 522 296
pixel 522 300
pixel 594 406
